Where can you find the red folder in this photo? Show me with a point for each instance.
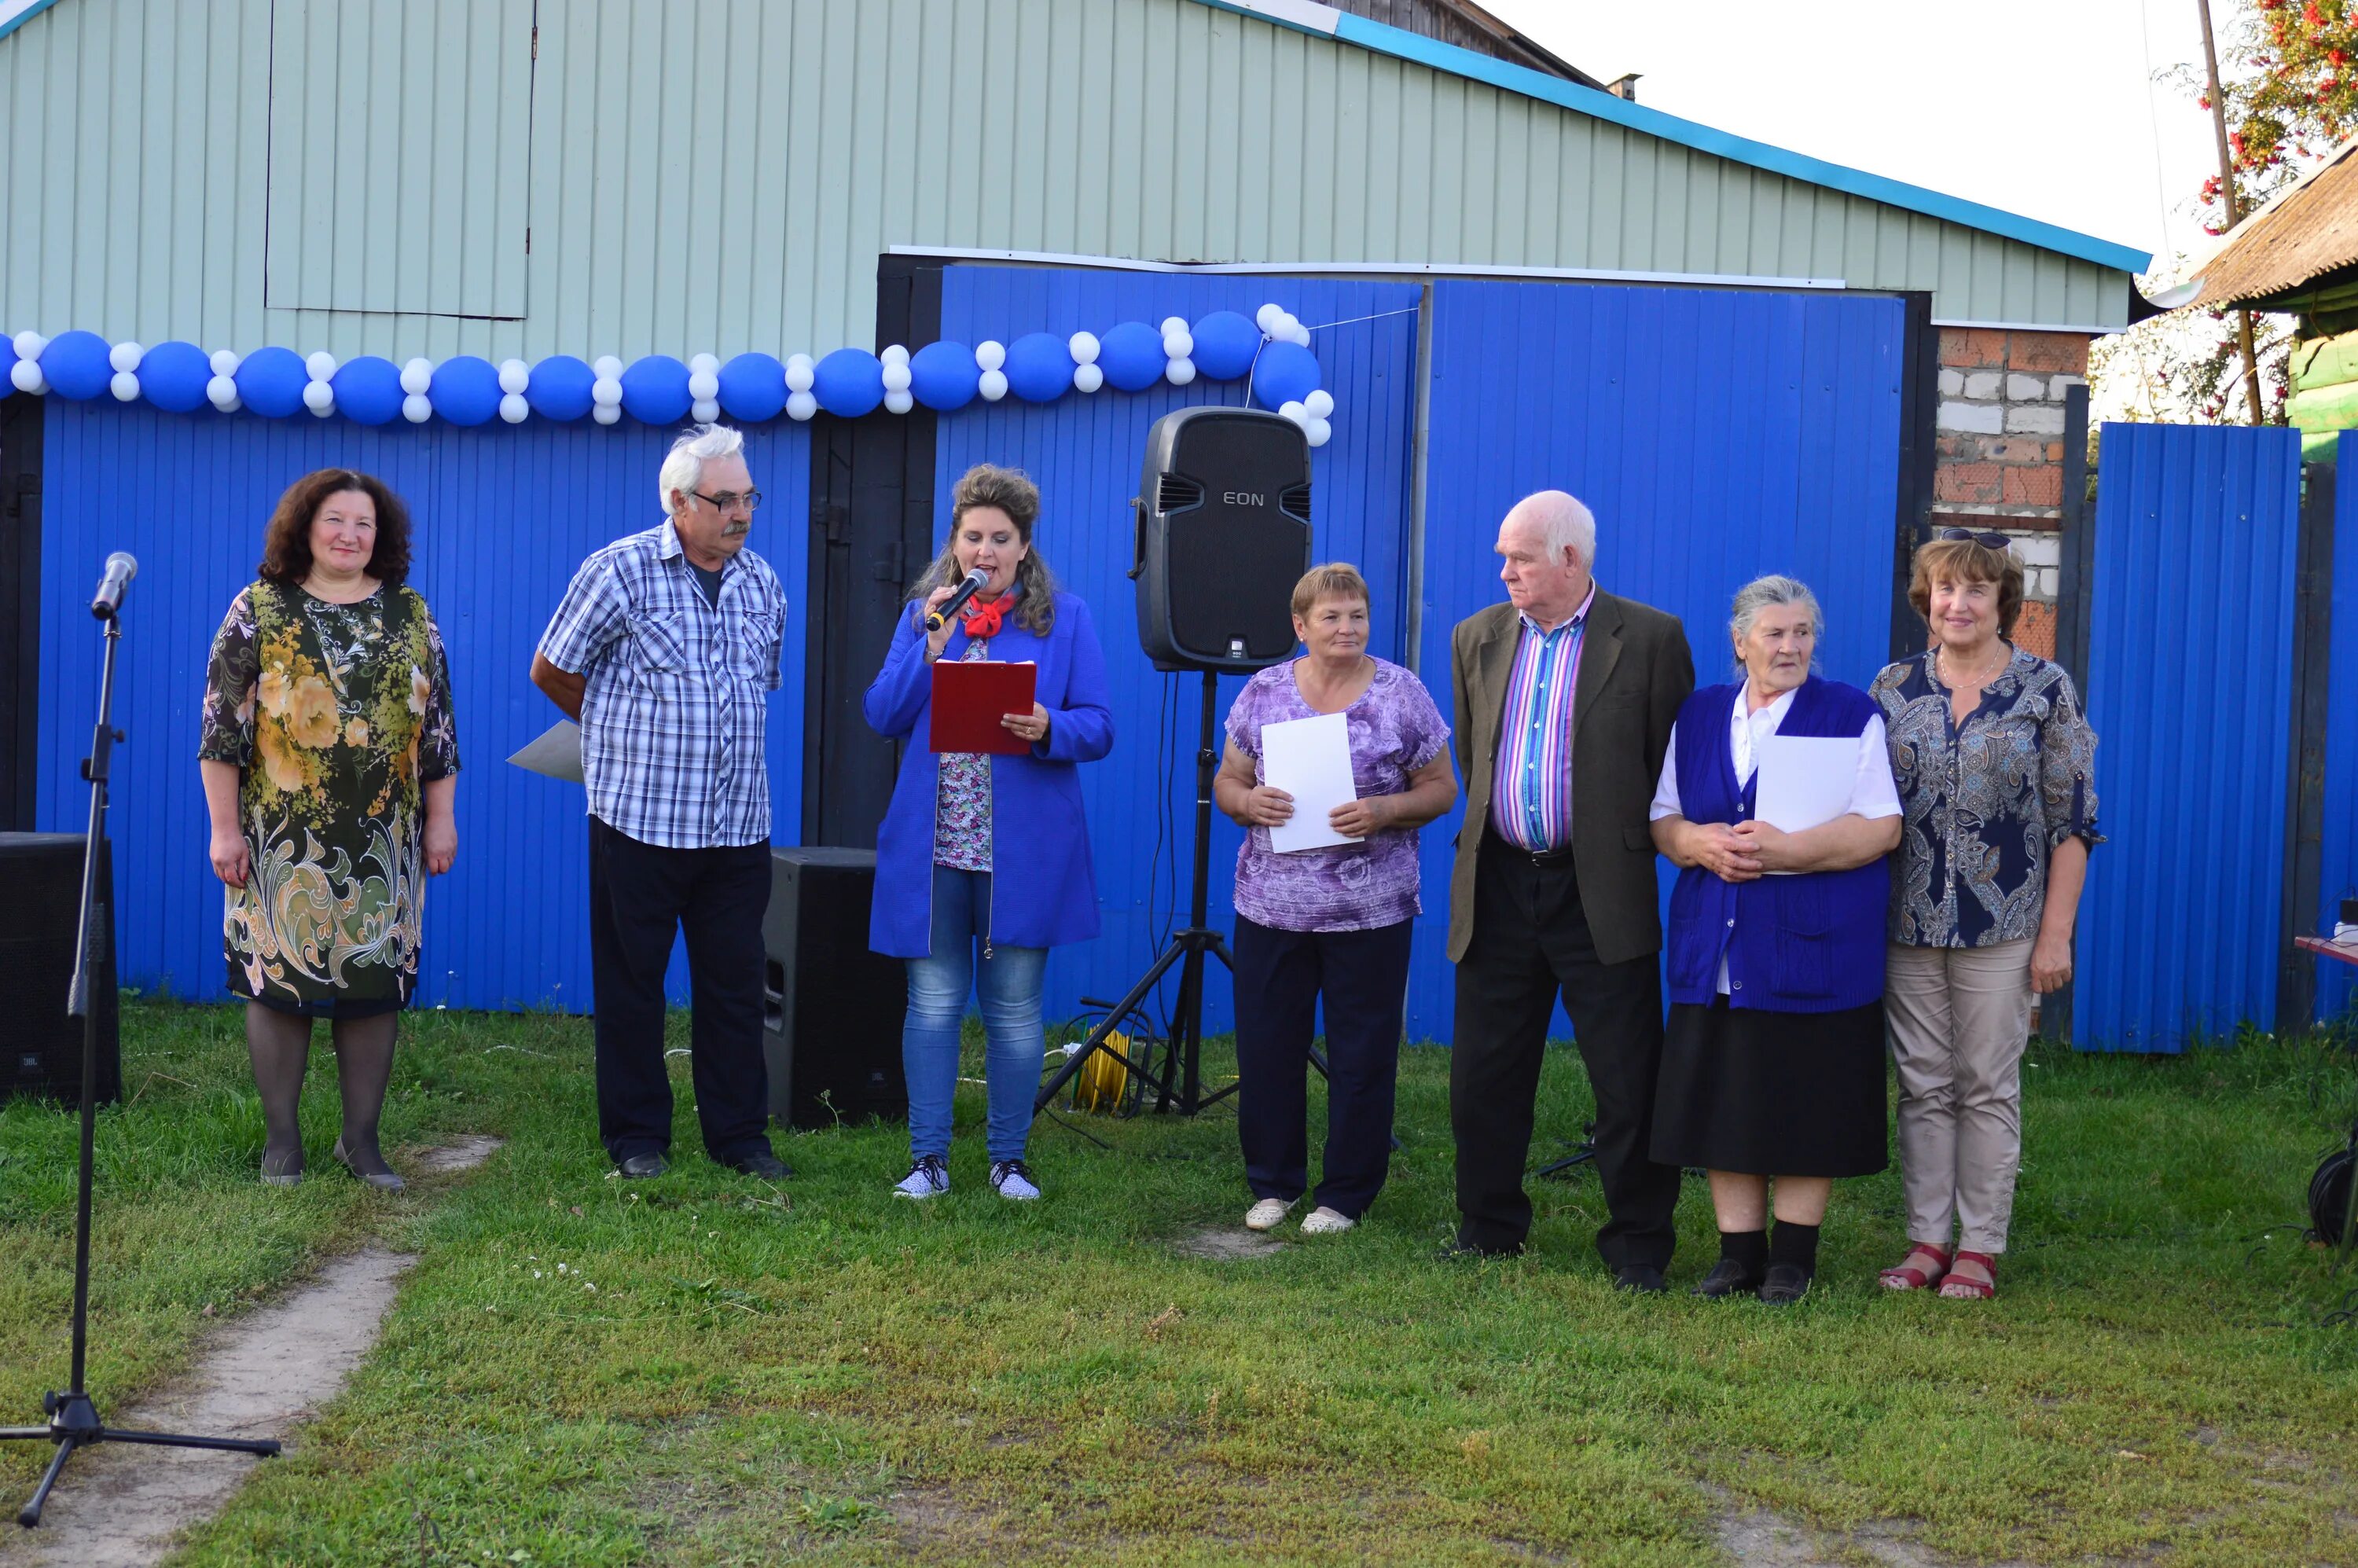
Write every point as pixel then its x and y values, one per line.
pixel 971 696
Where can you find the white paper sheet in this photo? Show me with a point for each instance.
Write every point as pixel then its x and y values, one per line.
pixel 557 752
pixel 1309 759
pixel 1806 781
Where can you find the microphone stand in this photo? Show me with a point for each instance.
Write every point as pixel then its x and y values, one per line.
pixel 73 1420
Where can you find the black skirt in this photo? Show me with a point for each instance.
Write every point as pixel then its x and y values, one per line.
pixel 1773 1094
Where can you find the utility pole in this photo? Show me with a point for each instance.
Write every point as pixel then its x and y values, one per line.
pixel 2234 210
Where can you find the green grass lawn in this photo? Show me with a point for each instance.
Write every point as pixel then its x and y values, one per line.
pixel 832 1373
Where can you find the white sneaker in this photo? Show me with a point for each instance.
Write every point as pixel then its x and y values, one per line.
pixel 1325 1221
pixel 1012 1178
pixel 926 1179
pixel 1264 1215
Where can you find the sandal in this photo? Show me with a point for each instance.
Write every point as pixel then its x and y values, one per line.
pixel 1962 1290
pixel 1912 1276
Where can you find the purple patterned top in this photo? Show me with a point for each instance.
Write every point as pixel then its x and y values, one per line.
pixel 1395 729
pixel 962 806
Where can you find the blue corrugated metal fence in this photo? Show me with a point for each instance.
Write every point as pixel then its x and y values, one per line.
pixel 2337 984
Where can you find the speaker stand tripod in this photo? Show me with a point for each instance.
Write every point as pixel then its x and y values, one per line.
pixel 73 1420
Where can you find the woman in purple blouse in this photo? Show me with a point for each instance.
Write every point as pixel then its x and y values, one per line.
pixel 1328 925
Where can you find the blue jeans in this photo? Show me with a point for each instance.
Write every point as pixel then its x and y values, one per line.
pixel 1008 984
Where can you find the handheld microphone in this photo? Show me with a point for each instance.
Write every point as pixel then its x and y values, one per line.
pixel 937 619
pixel 120 570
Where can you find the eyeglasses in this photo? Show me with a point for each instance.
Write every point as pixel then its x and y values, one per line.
pixel 1997 542
pixel 729 499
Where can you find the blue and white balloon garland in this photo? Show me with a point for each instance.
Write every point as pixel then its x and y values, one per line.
pixel 1272 349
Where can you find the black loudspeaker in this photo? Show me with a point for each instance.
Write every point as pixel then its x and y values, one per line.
pixel 40 1046
pixel 1223 535
pixel 831 1010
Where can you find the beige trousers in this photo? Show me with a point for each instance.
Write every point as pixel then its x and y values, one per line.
pixel 1960 1017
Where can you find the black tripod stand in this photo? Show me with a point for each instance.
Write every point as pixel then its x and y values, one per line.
pixel 74 1420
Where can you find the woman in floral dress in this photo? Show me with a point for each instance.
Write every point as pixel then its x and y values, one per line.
pixel 330 758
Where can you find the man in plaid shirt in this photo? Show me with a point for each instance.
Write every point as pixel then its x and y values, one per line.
pixel 665 650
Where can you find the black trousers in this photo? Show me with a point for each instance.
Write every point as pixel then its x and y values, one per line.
pixel 640 895
pixel 1531 941
pixel 1281 977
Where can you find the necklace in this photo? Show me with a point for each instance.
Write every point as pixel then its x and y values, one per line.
pixel 1963 679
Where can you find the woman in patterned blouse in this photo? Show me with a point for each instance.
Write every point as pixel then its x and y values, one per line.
pixel 1995 765
pixel 330 764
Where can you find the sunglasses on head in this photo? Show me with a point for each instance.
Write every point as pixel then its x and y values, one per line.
pixel 1997 542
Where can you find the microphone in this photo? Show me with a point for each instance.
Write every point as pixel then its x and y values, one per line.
pixel 120 570
pixel 937 619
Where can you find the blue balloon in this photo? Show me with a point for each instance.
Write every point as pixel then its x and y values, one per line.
pixel 172 376
pixel 655 390
pixel 559 387
pixel 1287 373
pixel 368 389
pixel 465 389
pixel 754 386
pixel 1039 367
pixel 7 361
pixel 269 380
pixel 944 376
pixel 1131 356
pixel 849 383
pixel 1224 345
pixel 75 364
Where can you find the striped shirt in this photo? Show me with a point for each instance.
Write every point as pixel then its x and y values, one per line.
pixel 1531 784
pixel 672 718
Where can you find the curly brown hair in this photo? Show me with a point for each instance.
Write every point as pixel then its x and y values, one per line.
pixel 287 543
pixel 1966 560
pixel 1010 491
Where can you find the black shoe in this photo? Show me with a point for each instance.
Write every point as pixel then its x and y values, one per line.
pixel 1457 1252
pixel 1640 1279
pixel 766 1165
pixel 1728 1277
pixel 639 1165
pixel 1786 1284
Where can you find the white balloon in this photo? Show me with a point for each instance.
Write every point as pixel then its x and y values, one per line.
pixel 223 393
pixel 513 409
pixel 1302 334
pixel 1174 324
pixel 1088 377
pixel 800 374
pixel 1319 432
pixel 900 401
pixel 704 411
pixel 1083 347
pixel 606 392
pixel 606 367
pixel 703 386
pixel 990 353
pixel 801 406
pixel 125 357
pixel 703 364
pixel 233 405
pixel 1180 371
pixel 1320 402
pixel 514 376
pixel 992 384
pixel 1293 411
pixel 125 385
pixel 607 413
pixel 321 366
pixel 416 409
pixel 29 344
pixel 319 396
pixel 1179 345
pixel 895 355
pixel 897 376
pixel 225 360
pixel 1266 318
pixel 418 377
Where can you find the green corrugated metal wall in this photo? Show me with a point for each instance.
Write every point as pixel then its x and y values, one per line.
pixel 720 174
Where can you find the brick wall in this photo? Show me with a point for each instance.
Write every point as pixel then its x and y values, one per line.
pixel 1999 463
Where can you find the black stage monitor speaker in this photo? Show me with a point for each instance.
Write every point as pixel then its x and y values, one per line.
pixel 1223 535
pixel 40 1046
pixel 831 1010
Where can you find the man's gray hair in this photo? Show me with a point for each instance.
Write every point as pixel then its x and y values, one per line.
pixel 683 466
pixel 1563 522
pixel 1764 591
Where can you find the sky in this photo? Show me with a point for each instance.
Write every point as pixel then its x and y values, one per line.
pixel 2041 107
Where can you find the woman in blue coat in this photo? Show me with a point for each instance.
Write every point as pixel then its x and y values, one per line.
pixel 957 818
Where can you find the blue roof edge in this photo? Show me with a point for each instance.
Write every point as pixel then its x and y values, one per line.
pixel 9 25
pixel 1400 44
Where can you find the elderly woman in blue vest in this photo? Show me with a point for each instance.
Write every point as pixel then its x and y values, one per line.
pixel 958 817
pixel 1772 1063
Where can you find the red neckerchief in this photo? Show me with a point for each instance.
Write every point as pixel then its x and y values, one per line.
pixel 982 620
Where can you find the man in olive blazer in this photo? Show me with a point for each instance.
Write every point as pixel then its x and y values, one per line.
pixel 1565 696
